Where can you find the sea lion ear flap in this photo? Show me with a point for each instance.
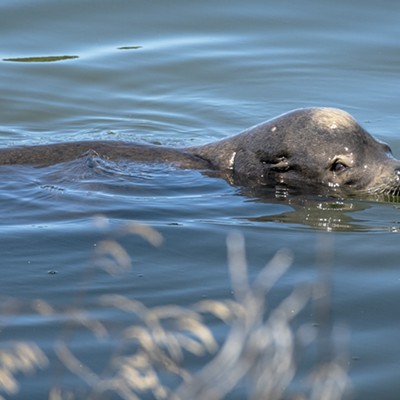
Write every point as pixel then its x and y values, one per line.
pixel 274 162
pixel 281 164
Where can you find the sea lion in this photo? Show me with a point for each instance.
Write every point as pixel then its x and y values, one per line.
pixel 313 148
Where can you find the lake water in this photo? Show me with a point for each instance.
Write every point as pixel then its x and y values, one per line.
pixel 84 276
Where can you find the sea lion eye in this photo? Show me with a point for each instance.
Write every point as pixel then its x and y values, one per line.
pixel 338 167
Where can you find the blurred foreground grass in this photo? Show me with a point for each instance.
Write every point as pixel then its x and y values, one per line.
pixel 259 353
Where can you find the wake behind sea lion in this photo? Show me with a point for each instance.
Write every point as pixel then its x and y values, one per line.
pixel 313 148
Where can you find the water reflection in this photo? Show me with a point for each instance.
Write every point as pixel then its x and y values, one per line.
pixel 329 215
pixel 155 188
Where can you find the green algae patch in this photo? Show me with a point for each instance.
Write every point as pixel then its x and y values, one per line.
pixel 129 48
pixel 40 59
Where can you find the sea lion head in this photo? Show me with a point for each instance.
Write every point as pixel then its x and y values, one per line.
pixel 316 148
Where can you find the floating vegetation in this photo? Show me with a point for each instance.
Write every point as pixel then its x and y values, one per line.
pixel 40 59
pixel 129 47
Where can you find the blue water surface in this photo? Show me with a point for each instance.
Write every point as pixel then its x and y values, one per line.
pixel 184 73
